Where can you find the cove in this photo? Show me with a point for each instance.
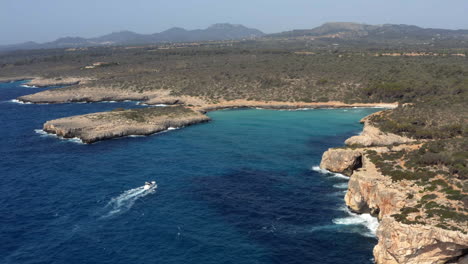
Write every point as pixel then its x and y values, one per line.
pixel 239 189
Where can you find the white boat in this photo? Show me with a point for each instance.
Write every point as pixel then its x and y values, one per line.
pixel 149 185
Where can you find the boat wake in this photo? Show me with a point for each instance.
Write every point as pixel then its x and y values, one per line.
pixel 126 200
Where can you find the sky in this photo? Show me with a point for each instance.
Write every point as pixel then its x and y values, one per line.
pixel 47 20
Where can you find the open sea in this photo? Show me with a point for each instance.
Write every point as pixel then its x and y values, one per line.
pixel 242 188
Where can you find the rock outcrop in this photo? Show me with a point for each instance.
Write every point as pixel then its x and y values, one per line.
pixel 343 161
pixel 369 191
pixel 372 136
pixel 89 94
pixel 45 82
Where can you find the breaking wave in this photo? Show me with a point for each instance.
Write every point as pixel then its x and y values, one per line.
pixel 42 133
pixel 343 185
pixel 16 101
pixel 367 220
pixel 28 86
pixel 329 173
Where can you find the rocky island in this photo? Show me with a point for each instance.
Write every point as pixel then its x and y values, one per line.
pixel 90 128
pixel 422 208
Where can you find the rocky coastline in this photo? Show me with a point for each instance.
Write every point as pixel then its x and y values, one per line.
pixel 370 191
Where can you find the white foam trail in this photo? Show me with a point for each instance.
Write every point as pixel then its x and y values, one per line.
pixel 126 200
pixel 327 172
pixel 343 185
pixel 172 128
pixel 367 220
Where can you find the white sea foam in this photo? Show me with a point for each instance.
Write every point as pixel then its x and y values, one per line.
pixel 42 133
pixel 172 128
pixel 320 170
pixel 161 105
pixel 327 172
pixel 126 200
pixel 340 176
pixel 343 185
pixel 28 86
pixel 370 222
pixel 16 101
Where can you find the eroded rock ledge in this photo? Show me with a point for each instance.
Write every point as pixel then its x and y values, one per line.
pixel 106 125
pixel 414 240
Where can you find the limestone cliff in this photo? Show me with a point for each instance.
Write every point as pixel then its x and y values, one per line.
pixel 414 238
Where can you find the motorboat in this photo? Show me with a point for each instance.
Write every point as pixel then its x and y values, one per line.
pixel 149 185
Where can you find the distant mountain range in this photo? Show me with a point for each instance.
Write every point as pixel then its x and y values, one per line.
pixel 374 33
pixel 335 30
pixel 215 32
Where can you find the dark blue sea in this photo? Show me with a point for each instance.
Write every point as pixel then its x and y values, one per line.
pixel 239 189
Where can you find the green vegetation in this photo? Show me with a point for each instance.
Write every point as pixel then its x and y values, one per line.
pixel 256 70
pixel 439 167
pixel 144 114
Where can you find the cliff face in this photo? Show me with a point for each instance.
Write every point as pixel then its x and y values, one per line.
pixel 418 244
pixel 369 191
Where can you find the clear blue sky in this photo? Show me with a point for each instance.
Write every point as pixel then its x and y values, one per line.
pixel 46 20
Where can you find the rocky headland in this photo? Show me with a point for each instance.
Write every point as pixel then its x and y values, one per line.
pixel 89 93
pixel 46 82
pixel 421 221
pixel 94 127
